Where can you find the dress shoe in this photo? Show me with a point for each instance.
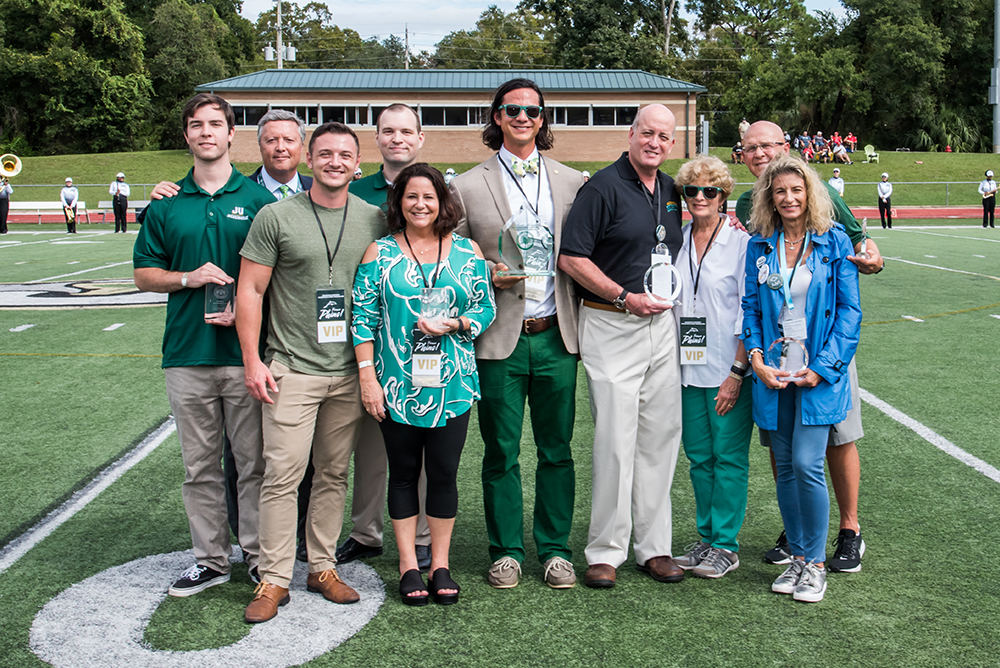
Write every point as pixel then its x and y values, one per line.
pixel 332 587
pixel 352 549
pixel 423 558
pixel 662 569
pixel 300 552
pixel 264 606
pixel 600 576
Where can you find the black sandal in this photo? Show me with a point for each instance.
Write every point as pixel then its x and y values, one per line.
pixel 441 579
pixel 410 582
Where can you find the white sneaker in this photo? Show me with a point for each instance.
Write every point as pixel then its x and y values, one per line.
pixel 812 584
pixel 693 554
pixel 787 581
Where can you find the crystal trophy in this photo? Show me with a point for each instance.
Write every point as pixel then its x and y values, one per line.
pixel 662 281
pixel 219 300
pixel 435 304
pixel 777 357
pixel 535 243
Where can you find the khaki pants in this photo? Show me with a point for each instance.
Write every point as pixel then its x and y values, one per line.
pixel 324 414
pixel 635 396
pixel 203 399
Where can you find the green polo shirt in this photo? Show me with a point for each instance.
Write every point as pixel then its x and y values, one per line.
pixel 286 237
pixel 373 189
pixel 184 232
pixel 841 213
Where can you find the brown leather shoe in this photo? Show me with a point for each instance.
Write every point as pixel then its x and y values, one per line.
pixel 662 569
pixel 332 587
pixel 264 606
pixel 600 576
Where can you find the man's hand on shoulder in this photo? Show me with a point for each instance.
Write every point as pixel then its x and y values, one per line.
pixel 165 189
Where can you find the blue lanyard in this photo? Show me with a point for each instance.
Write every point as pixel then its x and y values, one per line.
pixel 786 286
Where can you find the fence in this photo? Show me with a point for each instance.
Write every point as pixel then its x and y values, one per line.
pixel 906 193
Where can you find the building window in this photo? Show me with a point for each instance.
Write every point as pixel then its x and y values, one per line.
pixel 479 115
pixel 604 115
pixel 309 115
pixel 625 115
pixel 346 115
pixel 577 116
pixel 249 115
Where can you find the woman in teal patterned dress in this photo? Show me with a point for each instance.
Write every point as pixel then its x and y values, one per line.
pixel 424 416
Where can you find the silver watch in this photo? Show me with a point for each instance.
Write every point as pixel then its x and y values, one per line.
pixel 619 302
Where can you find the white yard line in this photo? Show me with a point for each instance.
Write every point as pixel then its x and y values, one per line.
pixel 933 266
pixel 18 547
pixel 114 327
pixel 77 273
pixel 954 236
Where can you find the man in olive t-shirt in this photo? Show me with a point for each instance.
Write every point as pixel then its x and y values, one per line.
pixel 304 251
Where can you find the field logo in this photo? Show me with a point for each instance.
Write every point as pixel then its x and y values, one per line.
pixel 100 621
pixel 85 293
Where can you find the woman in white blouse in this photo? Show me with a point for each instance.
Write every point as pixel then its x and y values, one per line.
pixel 717 410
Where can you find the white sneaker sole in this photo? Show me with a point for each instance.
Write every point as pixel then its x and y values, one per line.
pixel 191 591
pixel 856 569
pixel 712 575
pixel 783 589
pixel 810 597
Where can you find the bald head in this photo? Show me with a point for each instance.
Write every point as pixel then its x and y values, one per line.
pixel 763 134
pixel 651 138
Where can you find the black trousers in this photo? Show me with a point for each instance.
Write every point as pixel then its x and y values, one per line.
pixel 120 205
pixel 988 205
pixel 4 208
pixel 438 450
pixel 885 210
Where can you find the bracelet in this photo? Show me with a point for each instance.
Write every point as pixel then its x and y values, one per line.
pixel 879 270
pixel 461 326
pixel 739 367
pixel 364 364
pixel 736 376
pixel 752 351
pixel 184 280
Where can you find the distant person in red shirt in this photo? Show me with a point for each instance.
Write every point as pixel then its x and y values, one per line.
pixel 851 142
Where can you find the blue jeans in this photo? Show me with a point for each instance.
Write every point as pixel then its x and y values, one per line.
pixel 802 494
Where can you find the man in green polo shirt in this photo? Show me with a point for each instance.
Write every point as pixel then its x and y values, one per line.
pixel 188 245
pixel 303 252
pixel 399 139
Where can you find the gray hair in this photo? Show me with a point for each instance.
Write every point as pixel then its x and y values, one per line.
pixel 281 115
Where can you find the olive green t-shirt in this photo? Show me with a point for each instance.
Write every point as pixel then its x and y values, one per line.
pixel 286 237
pixel 841 213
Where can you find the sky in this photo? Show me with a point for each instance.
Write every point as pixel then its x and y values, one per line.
pixel 430 20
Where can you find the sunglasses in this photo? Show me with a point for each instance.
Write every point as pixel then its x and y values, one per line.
pixel 710 192
pixel 532 111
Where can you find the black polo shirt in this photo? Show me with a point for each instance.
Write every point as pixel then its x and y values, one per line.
pixel 613 224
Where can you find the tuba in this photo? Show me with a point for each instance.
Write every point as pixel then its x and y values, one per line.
pixel 10 165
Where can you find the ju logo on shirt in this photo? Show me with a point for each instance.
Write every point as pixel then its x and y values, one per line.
pixel 237 214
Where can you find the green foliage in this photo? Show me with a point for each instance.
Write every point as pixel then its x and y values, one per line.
pixel 515 40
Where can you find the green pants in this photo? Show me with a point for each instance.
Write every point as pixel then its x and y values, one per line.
pixel 718 448
pixel 542 371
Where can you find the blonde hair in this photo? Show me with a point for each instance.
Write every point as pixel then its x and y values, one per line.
pixel 764 218
pixel 707 167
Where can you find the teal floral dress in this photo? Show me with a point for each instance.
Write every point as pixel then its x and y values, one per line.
pixel 386 306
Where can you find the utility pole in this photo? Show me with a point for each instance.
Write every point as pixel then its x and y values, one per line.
pixel 406 55
pixel 995 77
pixel 281 52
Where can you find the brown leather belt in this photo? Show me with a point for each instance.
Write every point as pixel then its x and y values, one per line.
pixel 602 307
pixel 536 325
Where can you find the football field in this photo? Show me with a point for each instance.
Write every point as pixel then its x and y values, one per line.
pixel 92 513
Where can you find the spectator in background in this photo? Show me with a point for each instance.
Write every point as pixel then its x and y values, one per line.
pixel 449 174
pixel 738 153
pixel 836 182
pixel 5 193
pixel 808 152
pixel 818 141
pixel 586 175
pixel 988 189
pixel 851 142
pixel 840 154
pixel 119 192
pixel 69 197
pixel 836 139
pixel 357 173
pixel 743 127
pixel 884 201
pixel 801 141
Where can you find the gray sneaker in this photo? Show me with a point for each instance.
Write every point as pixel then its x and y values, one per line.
pixel 694 553
pixel 716 563
pixel 504 573
pixel 812 584
pixel 787 581
pixel 559 573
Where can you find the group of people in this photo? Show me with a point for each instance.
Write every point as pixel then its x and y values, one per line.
pixel 820 149
pixel 370 316
pixel 69 197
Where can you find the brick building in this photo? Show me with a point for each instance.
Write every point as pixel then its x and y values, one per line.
pixel 590 110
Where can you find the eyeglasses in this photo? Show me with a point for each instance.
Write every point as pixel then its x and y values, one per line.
pixel 710 192
pixel 767 147
pixel 532 111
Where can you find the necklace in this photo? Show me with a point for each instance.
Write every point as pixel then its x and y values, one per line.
pixel 791 243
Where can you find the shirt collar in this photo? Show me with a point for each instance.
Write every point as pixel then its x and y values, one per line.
pixel 506 156
pixel 189 186
pixel 272 184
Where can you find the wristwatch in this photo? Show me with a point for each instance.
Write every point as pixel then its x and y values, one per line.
pixel 620 301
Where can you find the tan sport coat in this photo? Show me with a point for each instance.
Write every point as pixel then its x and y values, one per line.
pixel 482 197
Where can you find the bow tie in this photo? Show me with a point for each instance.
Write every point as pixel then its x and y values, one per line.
pixel 522 167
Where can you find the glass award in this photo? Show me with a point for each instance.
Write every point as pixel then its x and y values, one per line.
pixel 219 300
pixel 662 281
pixel 780 353
pixel 435 304
pixel 534 242
pixel 863 253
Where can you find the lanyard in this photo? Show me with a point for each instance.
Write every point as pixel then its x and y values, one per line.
pixel 437 267
pixel 649 198
pixel 786 286
pixel 691 252
pixel 517 182
pixel 330 258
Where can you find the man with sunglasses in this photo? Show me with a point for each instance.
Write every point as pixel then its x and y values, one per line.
pixel 764 140
pixel 627 213
pixel 530 350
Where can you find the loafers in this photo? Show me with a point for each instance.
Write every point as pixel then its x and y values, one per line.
pixel 662 569
pixel 352 549
pixel 600 576
pixel 264 606
pixel 332 587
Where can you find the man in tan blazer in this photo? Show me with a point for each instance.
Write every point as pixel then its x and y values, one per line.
pixel 530 351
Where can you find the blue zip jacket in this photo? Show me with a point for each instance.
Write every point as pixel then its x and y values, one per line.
pixel 833 320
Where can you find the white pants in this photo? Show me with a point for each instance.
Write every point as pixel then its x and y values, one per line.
pixel 635 396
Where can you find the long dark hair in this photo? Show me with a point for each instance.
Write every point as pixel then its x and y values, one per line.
pixel 448 213
pixel 493 133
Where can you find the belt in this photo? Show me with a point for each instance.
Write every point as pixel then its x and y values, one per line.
pixel 602 307
pixel 536 325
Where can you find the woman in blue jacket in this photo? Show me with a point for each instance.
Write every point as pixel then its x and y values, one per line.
pixel 800 285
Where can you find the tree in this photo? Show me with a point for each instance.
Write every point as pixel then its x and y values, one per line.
pixel 499 41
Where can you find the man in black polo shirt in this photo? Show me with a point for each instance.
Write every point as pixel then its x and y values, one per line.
pixel 628 344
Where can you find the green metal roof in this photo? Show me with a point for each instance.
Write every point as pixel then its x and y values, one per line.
pixel 550 81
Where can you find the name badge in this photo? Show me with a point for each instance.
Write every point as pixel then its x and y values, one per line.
pixel 425 363
pixel 694 341
pixel 796 328
pixel 534 288
pixel 331 315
